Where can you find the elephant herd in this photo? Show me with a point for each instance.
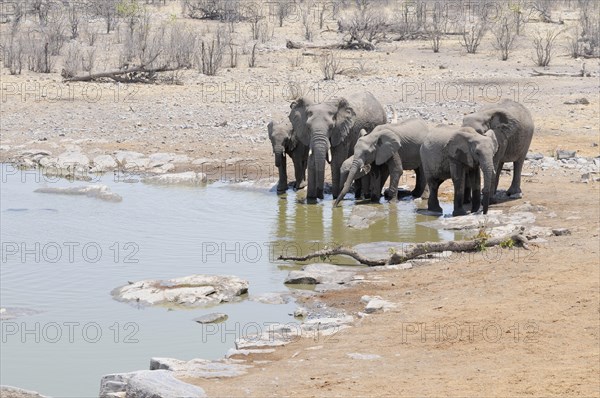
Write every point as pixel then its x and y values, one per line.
pixel 352 134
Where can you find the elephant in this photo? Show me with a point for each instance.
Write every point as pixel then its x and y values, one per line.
pixel 285 142
pixel 514 127
pixel 388 149
pixel 333 125
pixel 459 153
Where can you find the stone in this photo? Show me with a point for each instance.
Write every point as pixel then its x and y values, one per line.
pixel 565 154
pixel 534 156
pixel 232 352
pixel 376 304
pixel 103 163
pixel 496 222
pixel 363 216
pixel 578 101
pixel 214 317
pixel 200 368
pixel 101 192
pixel 300 312
pixel 193 290
pixel 261 185
pixel 160 383
pixel 356 355
pixel 561 231
pixel 16 392
pixel 527 207
pixel 321 273
pixel 189 178
pixel 7 313
pixel 72 158
pixel 272 298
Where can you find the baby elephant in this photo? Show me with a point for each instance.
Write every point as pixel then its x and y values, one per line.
pixel 285 142
pixel 459 153
pixel 394 147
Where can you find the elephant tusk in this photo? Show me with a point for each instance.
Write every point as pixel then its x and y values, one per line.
pixel 328 158
pixel 309 152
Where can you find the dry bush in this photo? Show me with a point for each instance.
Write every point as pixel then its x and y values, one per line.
pixel 330 65
pixel 589 24
pixel 90 32
pixel 212 50
pixel 74 18
pixel 307 21
pixel 107 9
pixel 218 10
pixel 435 28
pixel 88 60
pixel 252 56
pixel 364 29
pixel 504 32
pixel 72 60
pixel 543 44
pixel 472 33
pixel 13 52
pixel 181 46
pixel 55 33
pixel 410 17
pixel 38 55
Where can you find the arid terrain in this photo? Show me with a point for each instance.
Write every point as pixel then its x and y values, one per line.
pixel 529 321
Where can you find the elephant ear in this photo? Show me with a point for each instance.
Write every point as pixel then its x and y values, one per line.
pixel 491 134
pixel 459 149
pixel 270 130
pixel 298 119
pixel 387 145
pixel 500 122
pixel 344 120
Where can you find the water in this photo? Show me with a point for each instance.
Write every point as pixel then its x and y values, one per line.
pixel 88 247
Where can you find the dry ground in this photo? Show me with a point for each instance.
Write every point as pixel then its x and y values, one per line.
pixel 546 304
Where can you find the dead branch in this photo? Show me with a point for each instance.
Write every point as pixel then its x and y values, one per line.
pixel 134 75
pixel 536 73
pixel 355 44
pixel 418 249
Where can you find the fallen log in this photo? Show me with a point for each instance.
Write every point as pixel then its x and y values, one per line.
pixel 419 249
pixel 134 75
pixel 536 73
pixel 348 45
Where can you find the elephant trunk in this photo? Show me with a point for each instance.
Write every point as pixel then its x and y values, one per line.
pixel 320 145
pixel 488 182
pixel 279 156
pixel 356 165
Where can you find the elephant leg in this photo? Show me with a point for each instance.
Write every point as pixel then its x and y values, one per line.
pixel 376 176
pixel 299 170
pixel 433 204
pixel 467 192
pixel 475 183
pixel 395 170
pixel 420 184
pixel 458 179
pixel 282 185
pixel 515 186
pixel 497 180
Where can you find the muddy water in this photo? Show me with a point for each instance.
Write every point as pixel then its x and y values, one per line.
pixel 62 256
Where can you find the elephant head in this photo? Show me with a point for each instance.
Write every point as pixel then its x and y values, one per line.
pixel 377 147
pixel 474 150
pixel 320 126
pixel 282 138
pixel 490 119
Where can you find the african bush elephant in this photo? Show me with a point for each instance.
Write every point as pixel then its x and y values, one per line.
pixel 459 153
pixel 333 125
pixel 285 142
pixel 514 127
pixel 395 145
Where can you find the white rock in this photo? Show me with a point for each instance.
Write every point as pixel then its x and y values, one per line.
pixel 189 178
pixel 101 192
pixel 200 368
pixel 356 355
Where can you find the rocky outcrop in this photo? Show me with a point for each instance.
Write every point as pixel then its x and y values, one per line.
pixel 101 192
pixel 16 392
pixel 214 317
pixel 147 384
pixel 200 368
pixel 321 273
pixel 193 290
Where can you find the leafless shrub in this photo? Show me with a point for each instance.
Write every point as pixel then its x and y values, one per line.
pixel 88 60
pixel 330 65
pixel 574 44
pixel 181 46
pixel 543 44
pixel 218 10
pixel 521 12
pixel 13 52
pixel 39 57
pixel 252 56
pixel 504 32
pixel 212 48
pixel 41 8
pixel 307 21
pixel 55 33
pixel 297 60
pixel 589 21
pixel 283 10
pixel 543 8
pixel 435 29
pixel 74 18
pixel 90 32
pixel 107 9
pixel 233 55
pixel 410 17
pixel 363 29
pixel 18 13
pixel 472 33
pixel 72 61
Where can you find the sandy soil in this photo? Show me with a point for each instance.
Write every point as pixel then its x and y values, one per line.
pixel 544 305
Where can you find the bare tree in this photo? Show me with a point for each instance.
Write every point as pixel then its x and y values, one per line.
pixel 543 44
pixel 88 60
pixel 74 19
pixel 72 61
pixel 212 48
pixel 107 9
pixel 504 32
pixel 283 10
pixel 364 29
pixel 13 52
pixel 252 56
pixel 330 65
pixel 435 29
pixel 307 21
pixel 589 21
pixel 472 33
